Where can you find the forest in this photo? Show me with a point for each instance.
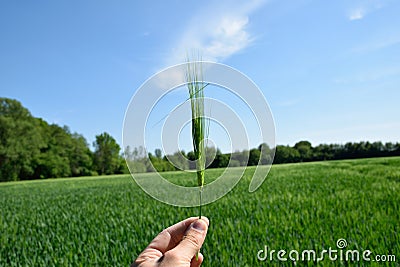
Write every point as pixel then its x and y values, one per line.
pixel 31 148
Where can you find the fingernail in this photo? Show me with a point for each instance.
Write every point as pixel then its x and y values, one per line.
pixel 200 225
pixel 204 218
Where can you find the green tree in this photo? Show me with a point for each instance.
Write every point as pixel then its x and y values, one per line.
pixel 80 156
pixel 220 161
pixel 265 154
pixel 63 155
pixel 241 157
pixel 20 141
pixel 54 160
pixel 158 153
pixel 323 152
pixel 305 150
pixel 134 160
pixel 286 154
pixel 178 159
pixel 107 159
pixel 254 157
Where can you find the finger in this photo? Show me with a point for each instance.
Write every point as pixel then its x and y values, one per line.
pixel 177 231
pixel 196 262
pixel 171 236
pixel 164 241
pixel 148 255
pixel 192 241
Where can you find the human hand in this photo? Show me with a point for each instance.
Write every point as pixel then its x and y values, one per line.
pixel 176 246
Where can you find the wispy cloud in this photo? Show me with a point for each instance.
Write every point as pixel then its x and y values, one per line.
pixel 218 35
pixel 357 13
pixel 369 76
pixel 229 37
pixel 289 102
pixel 378 43
pixel 364 8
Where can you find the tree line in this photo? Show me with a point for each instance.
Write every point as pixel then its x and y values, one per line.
pixel 140 161
pixel 302 151
pixel 30 148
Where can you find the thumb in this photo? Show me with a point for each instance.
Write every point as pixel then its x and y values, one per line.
pixel 193 240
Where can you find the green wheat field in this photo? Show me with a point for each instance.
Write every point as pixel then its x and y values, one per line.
pixel 108 220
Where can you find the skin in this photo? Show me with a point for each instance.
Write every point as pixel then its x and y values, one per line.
pixel 176 246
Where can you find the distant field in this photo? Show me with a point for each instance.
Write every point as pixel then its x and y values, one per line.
pixel 107 221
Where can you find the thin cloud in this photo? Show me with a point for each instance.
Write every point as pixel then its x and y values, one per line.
pixel 230 37
pixel 224 33
pixel 289 102
pixel 368 76
pixel 166 80
pixel 378 44
pixel 367 7
pixel 357 13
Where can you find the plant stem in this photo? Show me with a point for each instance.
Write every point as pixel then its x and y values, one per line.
pixel 201 200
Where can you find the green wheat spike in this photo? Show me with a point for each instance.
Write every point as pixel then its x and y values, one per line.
pixel 195 84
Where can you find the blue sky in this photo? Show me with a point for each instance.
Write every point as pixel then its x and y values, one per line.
pixel 330 70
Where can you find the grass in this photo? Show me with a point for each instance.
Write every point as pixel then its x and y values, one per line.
pixel 107 221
